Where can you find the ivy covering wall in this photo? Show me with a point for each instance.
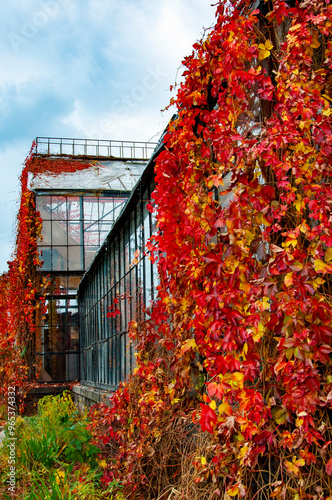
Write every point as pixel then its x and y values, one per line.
pixel 238 344
pixel 22 288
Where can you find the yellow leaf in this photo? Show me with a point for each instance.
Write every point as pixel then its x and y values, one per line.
pixel 299 203
pixel 280 414
pixel 264 50
pixel 103 464
pixel 262 54
pixel 175 400
pixel 315 43
pixel 288 279
pixel 300 462
pixel 265 304
pixel 258 333
pixel 291 468
pixel 261 219
pixel 225 408
pixel 59 475
pixel 328 255
pixel 232 492
pixel 269 44
pixel 203 460
pixel 299 422
pixel 236 380
pixel 237 376
pixel 189 344
pixel 213 405
pixel 321 267
pixel 290 241
pixel 317 282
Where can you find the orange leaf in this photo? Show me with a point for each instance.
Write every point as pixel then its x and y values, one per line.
pixel 291 468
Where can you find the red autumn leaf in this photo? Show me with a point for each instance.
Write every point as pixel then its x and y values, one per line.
pixel 328 467
pixel 215 390
pixel 208 418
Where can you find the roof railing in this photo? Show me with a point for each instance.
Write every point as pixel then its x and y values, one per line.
pixel 93 148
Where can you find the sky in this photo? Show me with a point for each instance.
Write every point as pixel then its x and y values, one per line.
pixel 98 69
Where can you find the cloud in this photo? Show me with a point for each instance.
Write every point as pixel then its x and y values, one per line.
pixel 86 68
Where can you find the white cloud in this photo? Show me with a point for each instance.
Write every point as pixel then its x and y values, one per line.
pixel 86 68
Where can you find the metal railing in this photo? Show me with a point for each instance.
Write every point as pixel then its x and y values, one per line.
pixel 94 148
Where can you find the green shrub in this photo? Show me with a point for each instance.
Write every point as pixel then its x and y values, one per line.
pixel 49 443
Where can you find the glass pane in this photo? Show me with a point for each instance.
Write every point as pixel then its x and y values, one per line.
pixel 74 210
pixel 90 208
pixel 91 233
pixel 59 285
pixel 89 253
pixel 155 280
pixel 106 209
pixel 139 233
pixel 111 266
pixel 75 258
pixel 132 239
pixel 133 293
pixel 122 305
pixel 63 338
pixel 148 281
pixel 74 233
pixel 123 357
pixel 72 365
pixel 121 242
pixel 74 337
pixel 118 204
pixel 58 367
pixel 128 355
pixel 45 254
pixel 111 361
pixel 105 228
pixel 126 249
pixel 59 208
pixel 116 260
pixel 59 258
pixel 128 298
pixel 43 205
pixel 61 303
pixel 140 291
pixel 59 233
pixel 73 284
pixel 145 197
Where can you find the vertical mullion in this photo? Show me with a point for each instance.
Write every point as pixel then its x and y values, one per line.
pixel 81 220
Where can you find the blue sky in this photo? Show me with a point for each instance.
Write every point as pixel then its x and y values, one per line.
pixel 86 69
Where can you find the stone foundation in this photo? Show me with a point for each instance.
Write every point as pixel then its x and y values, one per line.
pixel 85 397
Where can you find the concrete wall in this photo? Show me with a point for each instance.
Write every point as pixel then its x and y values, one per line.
pixel 85 396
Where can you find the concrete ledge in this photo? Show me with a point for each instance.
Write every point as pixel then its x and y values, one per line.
pixel 85 396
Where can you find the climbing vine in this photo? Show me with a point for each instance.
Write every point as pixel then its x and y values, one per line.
pixel 238 342
pixel 22 288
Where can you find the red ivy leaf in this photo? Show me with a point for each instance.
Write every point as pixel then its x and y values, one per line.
pixel 328 467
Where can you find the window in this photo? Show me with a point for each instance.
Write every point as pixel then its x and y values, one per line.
pixel 74 228
pixel 121 271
